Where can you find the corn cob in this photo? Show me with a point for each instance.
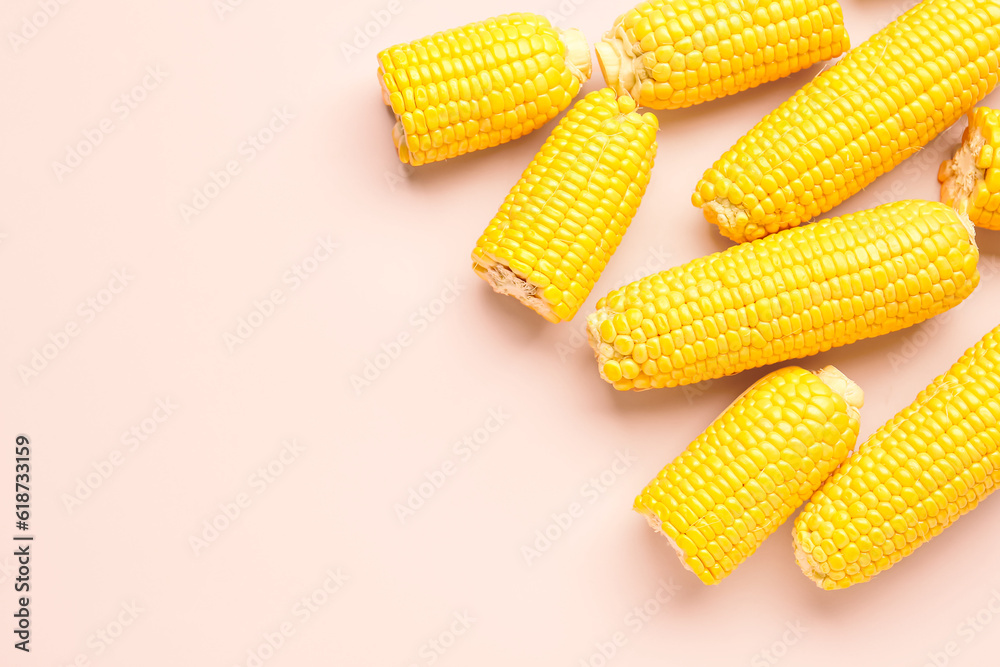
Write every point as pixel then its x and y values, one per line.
pixel 879 104
pixel 970 181
pixel 787 296
pixel 560 224
pixel 670 54
pixel 481 85
pixel 753 467
pixel 933 462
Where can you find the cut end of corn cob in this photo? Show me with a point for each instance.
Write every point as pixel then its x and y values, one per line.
pixel 844 387
pixel 480 85
pixel 656 524
pixel 578 58
pixel 790 295
pixel 505 280
pixel 809 566
pixel 617 65
pixel 764 456
pixel 929 465
pixel 960 175
pixel 669 54
pixel 970 181
pixel 881 103
pixel 562 221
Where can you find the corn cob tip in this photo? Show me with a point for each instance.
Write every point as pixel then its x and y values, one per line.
pixel 577 53
pixel 732 220
pixel 806 563
pixel 618 66
pixel 609 366
pixel 847 388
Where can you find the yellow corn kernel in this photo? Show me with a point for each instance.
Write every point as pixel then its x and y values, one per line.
pixel 934 461
pixel 840 280
pixel 811 419
pixel 579 193
pixel 480 85
pixel 669 54
pixel 881 103
pixel 970 181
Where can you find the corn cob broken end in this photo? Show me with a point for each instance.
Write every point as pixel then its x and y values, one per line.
pixel 804 560
pixel 654 522
pixel 503 280
pixel 732 220
pixel 849 390
pixel 577 53
pixel 960 175
pixel 620 68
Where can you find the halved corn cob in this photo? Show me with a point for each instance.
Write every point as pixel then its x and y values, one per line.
pixel 669 54
pixel 787 296
pixel 764 456
pixel 480 85
pixel 753 467
pixel 934 461
pixel 970 181
pixel 879 104
pixel 560 224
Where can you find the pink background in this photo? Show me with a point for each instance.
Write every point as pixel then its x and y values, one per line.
pixel 403 241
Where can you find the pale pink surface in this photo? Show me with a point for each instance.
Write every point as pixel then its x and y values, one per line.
pixel 403 235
